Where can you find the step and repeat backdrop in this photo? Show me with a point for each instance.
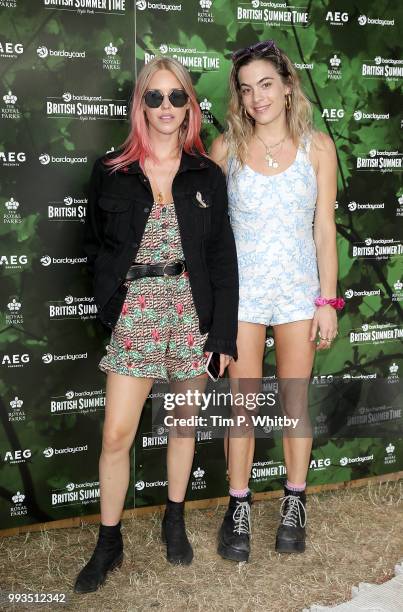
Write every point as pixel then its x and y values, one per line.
pixel 67 73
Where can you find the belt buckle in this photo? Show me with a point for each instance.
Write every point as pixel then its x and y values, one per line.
pixel 174 262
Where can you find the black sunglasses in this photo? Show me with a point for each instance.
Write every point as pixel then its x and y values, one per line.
pixel 154 98
pixel 257 48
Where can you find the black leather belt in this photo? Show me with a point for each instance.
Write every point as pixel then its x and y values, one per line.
pixel 170 268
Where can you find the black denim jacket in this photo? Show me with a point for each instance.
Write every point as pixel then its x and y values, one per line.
pixel 119 205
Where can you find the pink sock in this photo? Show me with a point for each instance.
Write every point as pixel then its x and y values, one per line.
pixel 239 492
pixel 295 487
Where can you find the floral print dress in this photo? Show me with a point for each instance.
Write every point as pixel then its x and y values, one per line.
pixel 157 334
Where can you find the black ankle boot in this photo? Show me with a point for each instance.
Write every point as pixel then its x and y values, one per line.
pixel 107 555
pixel 173 533
pixel 234 534
pixel 291 532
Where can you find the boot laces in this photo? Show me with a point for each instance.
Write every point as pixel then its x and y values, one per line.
pixel 292 509
pixel 241 518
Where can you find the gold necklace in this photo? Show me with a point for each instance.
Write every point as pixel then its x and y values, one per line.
pixel 160 195
pixel 271 161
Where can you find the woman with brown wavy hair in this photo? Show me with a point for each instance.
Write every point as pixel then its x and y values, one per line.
pixel 282 183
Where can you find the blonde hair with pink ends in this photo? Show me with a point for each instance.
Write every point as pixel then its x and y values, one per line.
pixel 137 145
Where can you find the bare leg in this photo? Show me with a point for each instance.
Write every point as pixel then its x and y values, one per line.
pixel 125 397
pixel 250 343
pixel 294 360
pixel 181 441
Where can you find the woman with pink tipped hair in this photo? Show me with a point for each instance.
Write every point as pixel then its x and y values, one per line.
pixel 162 254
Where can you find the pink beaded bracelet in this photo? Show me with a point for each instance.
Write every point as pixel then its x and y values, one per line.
pixel 337 303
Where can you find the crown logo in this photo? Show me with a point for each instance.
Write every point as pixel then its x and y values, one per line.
pixel 18 498
pixel 400 200
pixel 205 105
pixel 393 368
pixel 10 98
pixel 12 204
pixel 14 306
pixel 199 473
pixel 390 448
pixel 110 49
pixel 398 285
pixel 16 403
pixel 206 4
pixel 335 61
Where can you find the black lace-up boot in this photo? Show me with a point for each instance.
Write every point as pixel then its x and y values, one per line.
pixel 235 531
pixel 291 532
pixel 173 533
pixel 108 555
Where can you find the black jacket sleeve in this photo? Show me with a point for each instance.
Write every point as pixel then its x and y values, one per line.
pixel 222 265
pixel 93 233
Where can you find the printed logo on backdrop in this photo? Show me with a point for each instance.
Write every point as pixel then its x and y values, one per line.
pixel 333 114
pixel 262 470
pixel 15 456
pixel 300 66
pixel 9 109
pixel 373 415
pixel 354 206
pixel 47 260
pixel 363 20
pixel 48 358
pixel 206 106
pixel 44 52
pixel 390 69
pixel 142 484
pixel 193 59
pixel 11 214
pixel 111 59
pixel 16 410
pixel 50 452
pixel 18 505
pixel 205 14
pixel 13 262
pixel 45 159
pixel 352 293
pixel 320 464
pixel 355 460
pixel 13 314
pixel 111 7
pixel 15 360
pixel 69 209
pixel 12 159
pixel 80 493
pixel 271 13
pixel 380 161
pixel 198 482
pixel 360 116
pixel 376 333
pixel 78 402
pixel 390 456
pixel 150 440
pixel 72 307
pixel 361 376
pixel 393 376
pixel 334 68
pixel 336 18
pixel 320 427
pixel 323 380
pixel 377 248
pixel 142 5
pixel 85 107
pixel 399 209
pixel 10 50
pixel 397 295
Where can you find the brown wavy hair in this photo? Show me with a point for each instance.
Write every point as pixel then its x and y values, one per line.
pixel 241 126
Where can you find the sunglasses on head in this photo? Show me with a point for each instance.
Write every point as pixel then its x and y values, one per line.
pixel 260 47
pixel 154 98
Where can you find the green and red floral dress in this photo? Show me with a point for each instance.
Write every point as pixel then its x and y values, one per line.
pixel 157 334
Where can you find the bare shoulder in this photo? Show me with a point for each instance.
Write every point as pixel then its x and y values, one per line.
pixel 219 151
pixel 323 143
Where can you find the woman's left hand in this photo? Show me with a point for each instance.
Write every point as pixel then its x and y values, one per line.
pixel 224 362
pixel 324 321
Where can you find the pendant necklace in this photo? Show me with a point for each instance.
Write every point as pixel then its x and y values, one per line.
pixel 271 161
pixel 160 195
